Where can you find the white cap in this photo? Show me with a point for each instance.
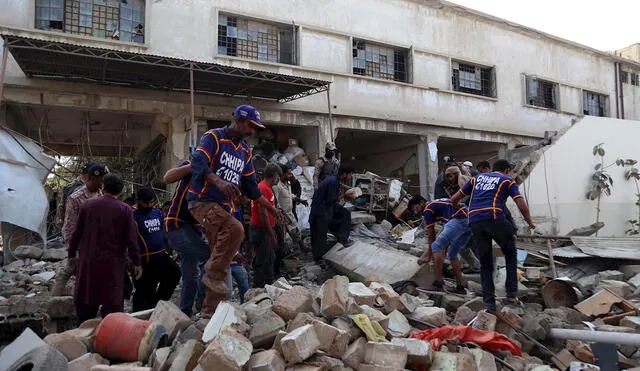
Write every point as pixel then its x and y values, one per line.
pixel 467 164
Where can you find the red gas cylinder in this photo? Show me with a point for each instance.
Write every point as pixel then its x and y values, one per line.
pixel 124 338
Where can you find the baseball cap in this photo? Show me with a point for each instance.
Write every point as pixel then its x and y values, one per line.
pixel 249 113
pixel 468 163
pixel 85 168
pixel 98 170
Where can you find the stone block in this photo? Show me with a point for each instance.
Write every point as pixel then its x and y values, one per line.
pixel 120 367
pixel 375 315
pixel 190 333
pixel 301 320
pixel 452 302
pixel 398 324
pixel 453 362
pixel 306 367
pixel 300 344
pixel 504 328
pixel 475 304
pixel 619 329
pixel 631 322
pixel 282 283
pixel 635 281
pixel 294 301
pixel 23 344
pixel 171 317
pixel 485 321
pixel 484 360
pixel 274 292
pixel 228 351
pixel 333 341
pixel 335 296
pixel 28 252
pixel 68 345
pixel 159 358
pixel 610 275
pixel 418 351
pixel 367 367
pixel 588 283
pixel 433 315
pixel 43 277
pixel 87 361
pixel 54 254
pixel 385 354
pixel 388 295
pixel 619 288
pixel 354 355
pixel 268 360
pixel 186 356
pixel 629 271
pixel 346 324
pixel 567 315
pixel 518 363
pixel 409 303
pixel 362 294
pixel 264 330
pixel 60 307
pixel 320 359
pixel 464 315
pixel 276 341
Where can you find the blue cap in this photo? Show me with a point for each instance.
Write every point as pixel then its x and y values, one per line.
pixel 249 113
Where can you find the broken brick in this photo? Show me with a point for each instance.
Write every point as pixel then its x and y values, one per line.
pixel 68 345
pixel 186 355
pixel 390 298
pixel 485 321
pixel 409 303
pixel 385 354
pixel 268 360
pixel 87 361
pixel 300 344
pixel 418 351
pixel 171 317
pixel 398 325
pixel 265 329
pixel 346 324
pixel 362 294
pixel 335 296
pixel 228 351
pixel 291 302
pixel 354 355
pixel 332 340
pixel 433 315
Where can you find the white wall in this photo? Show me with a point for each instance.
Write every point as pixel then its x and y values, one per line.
pixel 188 29
pixel 569 166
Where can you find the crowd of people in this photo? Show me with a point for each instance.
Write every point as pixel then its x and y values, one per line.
pixel 226 223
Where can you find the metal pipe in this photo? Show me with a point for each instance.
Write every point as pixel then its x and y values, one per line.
pixel 3 68
pixel 330 115
pixel 552 263
pixel 621 91
pixel 193 107
pixel 596 336
pixel 533 237
pixel 616 78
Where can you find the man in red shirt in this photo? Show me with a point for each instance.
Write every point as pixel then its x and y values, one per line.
pixel 263 235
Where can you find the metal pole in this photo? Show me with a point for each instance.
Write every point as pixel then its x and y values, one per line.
pixel 3 68
pixel 552 263
pixel 330 115
pixel 596 336
pixel 193 107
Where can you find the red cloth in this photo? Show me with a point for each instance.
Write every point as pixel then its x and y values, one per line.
pixel 267 192
pixel 488 340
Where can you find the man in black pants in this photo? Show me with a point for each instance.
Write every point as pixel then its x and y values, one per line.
pixel 160 274
pixel 328 215
pixel 489 192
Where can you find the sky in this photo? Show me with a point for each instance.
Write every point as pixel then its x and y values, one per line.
pixel 605 25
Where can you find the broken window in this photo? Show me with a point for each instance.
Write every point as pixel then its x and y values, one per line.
pixel 110 19
pixel 381 62
pixel 635 79
pixel 595 104
pixel 473 79
pixel 246 38
pixel 541 93
pixel 624 76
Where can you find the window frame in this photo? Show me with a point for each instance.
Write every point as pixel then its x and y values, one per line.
pixel 408 60
pixel 556 92
pixel 292 28
pixel 607 107
pixel 491 70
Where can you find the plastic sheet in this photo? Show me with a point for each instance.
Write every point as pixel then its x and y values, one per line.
pixel 488 340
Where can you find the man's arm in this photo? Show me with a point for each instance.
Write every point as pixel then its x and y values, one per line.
pixel 70 218
pixel 465 190
pixel 524 210
pixel 262 211
pixel 76 235
pixel 316 173
pixel 177 173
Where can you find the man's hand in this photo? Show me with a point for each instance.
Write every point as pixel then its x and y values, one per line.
pixel 426 257
pixel 531 225
pixel 137 270
pixel 231 191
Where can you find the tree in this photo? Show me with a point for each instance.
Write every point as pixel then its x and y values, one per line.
pixel 601 182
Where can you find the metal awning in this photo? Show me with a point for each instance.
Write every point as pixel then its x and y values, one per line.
pixel 63 61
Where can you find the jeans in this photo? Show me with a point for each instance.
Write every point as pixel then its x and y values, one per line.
pixel 239 274
pixel 193 252
pixel 456 234
pixel 160 276
pixel 502 232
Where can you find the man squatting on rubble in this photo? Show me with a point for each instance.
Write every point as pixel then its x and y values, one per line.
pixel 105 234
pixel 160 274
pixel 456 234
pixel 487 220
pixel 222 170
pixel 328 215
pixel 89 188
pixel 326 165
pixel 185 237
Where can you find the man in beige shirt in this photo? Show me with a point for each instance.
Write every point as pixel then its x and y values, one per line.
pixel 91 189
pixel 326 165
pixel 287 201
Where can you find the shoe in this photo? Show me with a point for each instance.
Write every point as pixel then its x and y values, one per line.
pixel 437 286
pixel 512 301
pixel 347 243
pixel 217 286
pixel 460 290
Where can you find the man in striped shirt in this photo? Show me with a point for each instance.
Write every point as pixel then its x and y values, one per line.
pixel 489 193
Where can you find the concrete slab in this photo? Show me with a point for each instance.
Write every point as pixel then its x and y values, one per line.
pixel 23 344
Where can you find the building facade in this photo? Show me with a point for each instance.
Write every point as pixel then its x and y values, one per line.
pixel 410 80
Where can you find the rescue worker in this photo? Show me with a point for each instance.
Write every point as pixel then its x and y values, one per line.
pixel 328 215
pixel 69 189
pixel 185 236
pixel 160 274
pixel 326 165
pixel 222 170
pixel 489 192
pixel 90 188
pixel 103 239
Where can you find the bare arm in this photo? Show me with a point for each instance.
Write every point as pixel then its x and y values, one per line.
pixel 266 205
pixel 456 198
pixel 175 174
pixel 524 210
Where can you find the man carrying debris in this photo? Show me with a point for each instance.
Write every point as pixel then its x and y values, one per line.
pixel 287 201
pixel 455 235
pixel 222 170
pixel 489 192
pixel 326 165
pixel 104 236
pixel 160 274
pixel 90 188
pixel 328 215
pixel 185 237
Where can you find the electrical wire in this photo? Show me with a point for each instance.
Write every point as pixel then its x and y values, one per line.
pixel 546 182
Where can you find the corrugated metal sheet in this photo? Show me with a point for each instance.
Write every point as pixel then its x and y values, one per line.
pixel 609 247
pixel 569 252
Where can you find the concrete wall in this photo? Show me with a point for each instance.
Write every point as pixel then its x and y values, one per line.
pixel 569 166
pixel 435 34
